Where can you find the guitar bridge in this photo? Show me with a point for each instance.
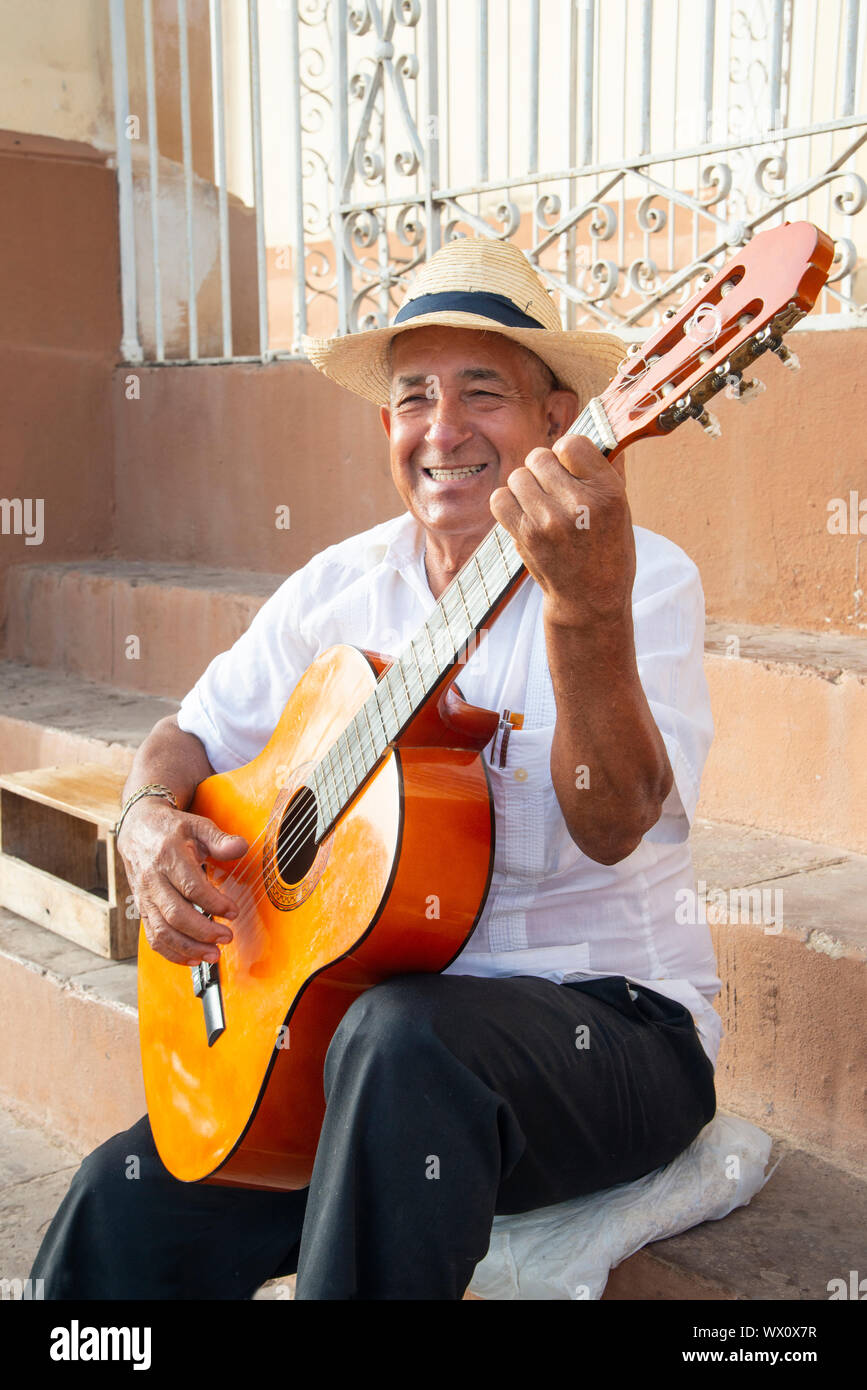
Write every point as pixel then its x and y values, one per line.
pixel 206 986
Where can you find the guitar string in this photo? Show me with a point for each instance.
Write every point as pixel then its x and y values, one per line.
pixel 475 587
pixel 414 688
pixel 418 685
pixel 239 875
pixel 302 829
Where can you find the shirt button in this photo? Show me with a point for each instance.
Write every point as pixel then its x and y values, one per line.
pixel 521 774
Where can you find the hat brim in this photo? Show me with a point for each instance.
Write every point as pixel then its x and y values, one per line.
pixel 583 362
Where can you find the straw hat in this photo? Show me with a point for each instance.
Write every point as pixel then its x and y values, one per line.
pixel 480 283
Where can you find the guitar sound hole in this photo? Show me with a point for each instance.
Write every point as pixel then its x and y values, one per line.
pixel 296 843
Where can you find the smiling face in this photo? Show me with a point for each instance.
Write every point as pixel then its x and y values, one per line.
pixel 466 409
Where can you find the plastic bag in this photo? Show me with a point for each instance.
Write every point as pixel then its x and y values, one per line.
pixel 567 1251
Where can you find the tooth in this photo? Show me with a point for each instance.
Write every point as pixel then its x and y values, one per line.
pixel 440 473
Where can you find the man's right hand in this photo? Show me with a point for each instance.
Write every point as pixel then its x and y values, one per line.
pixel 163 850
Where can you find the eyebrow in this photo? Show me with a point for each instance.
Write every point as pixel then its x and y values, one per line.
pixel 467 374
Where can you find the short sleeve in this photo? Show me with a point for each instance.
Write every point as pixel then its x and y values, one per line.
pixel 236 704
pixel 669 620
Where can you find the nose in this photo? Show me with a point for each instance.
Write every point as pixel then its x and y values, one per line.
pixel 448 425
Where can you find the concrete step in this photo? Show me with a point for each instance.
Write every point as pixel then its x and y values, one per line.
pixel 793 1002
pixel 70 1025
pixel 790 751
pixel 804 1229
pixel 36 1168
pixel 144 627
pixel 791 942
pixel 48 718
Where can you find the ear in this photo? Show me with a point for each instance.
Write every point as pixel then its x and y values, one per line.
pixel 385 417
pixel 562 409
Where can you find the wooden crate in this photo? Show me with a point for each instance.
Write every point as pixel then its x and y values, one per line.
pixel 59 864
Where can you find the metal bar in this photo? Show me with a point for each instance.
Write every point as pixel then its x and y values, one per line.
pixel 258 188
pixel 300 314
pixel 130 346
pixel 776 76
pixel 624 96
pixel 588 14
pixel 432 162
pixel 386 68
pixel 681 277
pixel 809 160
pixel 348 164
pixel 851 57
pixel 575 214
pixel 671 212
pixel 835 88
pixel 509 82
pixel 646 65
pixel 571 55
pixel 586 301
pixel 597 124
pixel 533 114
pixel 612 166
pixel 706 103
pixel 154 167
pixel 483 158
pixel 219 126
pixel 186 140
pixel 342 179
pixel 448 84
pixel 707 75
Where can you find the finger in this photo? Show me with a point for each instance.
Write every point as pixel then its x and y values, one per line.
pixel 179 949
pixel 179 914
pixel 525 485
pixel 561 489
pixel 505 508
pixel 583 460
pixel 216 843
pixel 189 879
pixel 541 511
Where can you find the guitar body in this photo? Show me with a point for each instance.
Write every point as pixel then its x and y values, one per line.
pixel 395 886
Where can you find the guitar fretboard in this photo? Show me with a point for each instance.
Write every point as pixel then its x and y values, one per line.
pixel 439 646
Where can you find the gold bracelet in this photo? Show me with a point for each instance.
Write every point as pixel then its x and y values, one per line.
pixel 152 789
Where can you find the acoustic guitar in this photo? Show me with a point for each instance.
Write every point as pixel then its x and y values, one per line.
pixel 368 815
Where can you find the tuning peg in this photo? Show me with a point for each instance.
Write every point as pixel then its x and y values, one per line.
pixel 788 358
pixel 710 424
pixel 750 389
pixel 740 390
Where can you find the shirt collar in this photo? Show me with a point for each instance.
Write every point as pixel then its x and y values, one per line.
pixel 402 549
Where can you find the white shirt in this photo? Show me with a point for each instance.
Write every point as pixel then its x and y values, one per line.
pixel 551 911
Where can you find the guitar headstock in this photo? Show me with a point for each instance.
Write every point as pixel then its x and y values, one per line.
pixel 741 312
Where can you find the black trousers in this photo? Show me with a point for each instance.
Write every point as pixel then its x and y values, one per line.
pixel 449 1099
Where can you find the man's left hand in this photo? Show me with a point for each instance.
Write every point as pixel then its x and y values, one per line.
pixel 567 512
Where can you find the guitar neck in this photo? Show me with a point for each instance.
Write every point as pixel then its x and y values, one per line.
pixel 472 601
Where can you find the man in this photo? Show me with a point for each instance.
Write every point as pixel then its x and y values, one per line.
pixel 571 1045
